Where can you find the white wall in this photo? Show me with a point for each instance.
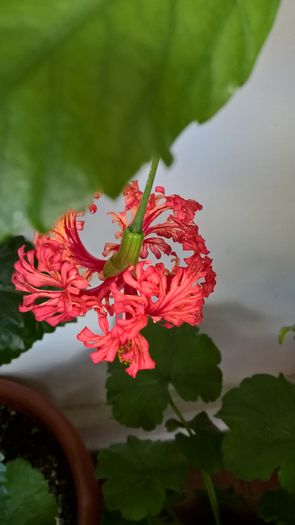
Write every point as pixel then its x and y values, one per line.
pixel 241 167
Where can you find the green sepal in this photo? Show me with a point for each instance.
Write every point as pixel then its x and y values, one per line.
pixel 284 331
pixel 127 255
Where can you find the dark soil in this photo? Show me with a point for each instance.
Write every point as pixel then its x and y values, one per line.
pixel 21 437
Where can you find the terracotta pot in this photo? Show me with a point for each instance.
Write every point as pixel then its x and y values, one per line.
pixel 33 404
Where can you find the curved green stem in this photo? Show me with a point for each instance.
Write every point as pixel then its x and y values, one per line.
pixel 132 239
pixel 136 226
pixel 208 483
pixel 179 414
pixel 207 480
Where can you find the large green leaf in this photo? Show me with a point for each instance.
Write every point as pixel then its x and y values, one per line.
pixel 29 501
pixel 115 518
pixel 137 402
pixel 184 359
pixel 138 474
pixel 8 256
pixel 260 414
pixel 90 90
pixel 18 331
pixel 278 507
pixel 202 449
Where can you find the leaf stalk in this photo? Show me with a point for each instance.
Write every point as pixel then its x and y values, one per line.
pixel 136 226
pixel 207 480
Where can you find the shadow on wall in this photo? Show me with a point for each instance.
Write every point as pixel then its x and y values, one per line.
pixel 73 383
pixel 248 341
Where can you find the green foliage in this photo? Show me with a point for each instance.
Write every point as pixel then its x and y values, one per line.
pixel 137 402
pixel 202 449
pixel 185 359
pixel 2 473
pixel 284 331
pixel 115 518
pixel 28 501
pixel 228 499
pixel 3 490
pixel 138 474
pixel 173 424
pixel 278 507
pixel 234 510
pixel 91 90
pixel 8 256
pixel 260 416
pixel 18 331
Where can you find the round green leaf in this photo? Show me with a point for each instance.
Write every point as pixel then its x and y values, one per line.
pixel 187 360
pixel 91 90
pixel 184 359
pixel 115 518
pixel 138 474
pixel 29 502
pixel 277 507
pixel 194 364
pixel 138 402
pixel 260 415
pixel 203 449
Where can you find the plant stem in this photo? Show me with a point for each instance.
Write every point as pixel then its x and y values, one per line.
pixel 136 226
pixel 179 414
pixel 207 480
pixel 208 483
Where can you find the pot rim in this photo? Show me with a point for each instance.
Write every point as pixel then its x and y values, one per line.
pixel 37 406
